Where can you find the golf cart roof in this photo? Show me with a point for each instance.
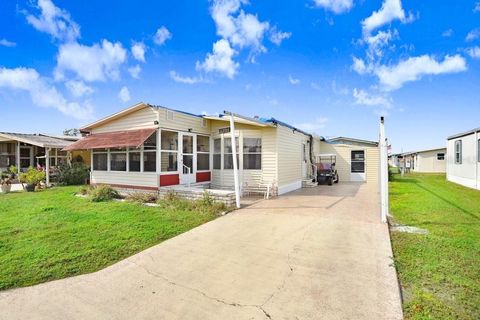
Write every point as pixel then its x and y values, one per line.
pixel 326 155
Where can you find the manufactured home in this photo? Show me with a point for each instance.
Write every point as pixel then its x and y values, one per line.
pixel 463 158
pixel 149 147
pixel 424 161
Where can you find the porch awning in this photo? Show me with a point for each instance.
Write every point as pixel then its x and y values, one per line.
pixel 117 139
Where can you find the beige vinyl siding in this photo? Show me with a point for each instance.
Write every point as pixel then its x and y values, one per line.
pixel 343 165
pixel 268 173
pixel 139 179
pixel 143 118
pixel 269 155
pixel 427 161
pixel 372 164
pixel 289 146
pixel 182 122
pixel 343 158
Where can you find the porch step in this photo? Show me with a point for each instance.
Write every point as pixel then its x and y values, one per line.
pixel 308 183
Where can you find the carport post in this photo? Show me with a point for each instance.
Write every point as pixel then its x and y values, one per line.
pixel 383 171
pixel 234 155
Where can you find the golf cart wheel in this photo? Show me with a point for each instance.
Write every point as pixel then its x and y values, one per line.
pixel 330 181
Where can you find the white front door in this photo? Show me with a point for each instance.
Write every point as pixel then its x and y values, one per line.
pixel 187 159
pixel 357 171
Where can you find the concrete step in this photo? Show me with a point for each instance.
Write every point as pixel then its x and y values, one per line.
pixel 308 184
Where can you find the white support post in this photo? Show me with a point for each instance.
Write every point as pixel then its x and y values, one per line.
pixel 383 171
pixel 234 155
pixel 18 157
pixel 47 167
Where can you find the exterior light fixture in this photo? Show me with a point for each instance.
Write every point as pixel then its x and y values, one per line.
pixel 155 122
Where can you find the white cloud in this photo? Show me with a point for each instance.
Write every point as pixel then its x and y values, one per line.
pixel 186 80
pixel 377 43
pixel 91 63
pixel 412 69
pixel 162 35
pixel 220 60
pixel 54 21
pixel 366 99
pixel 474 52
pixel 472 35
pixel 135 71
pixel 124 94
pixel 314 126
pixel 359 66
pixel 336 6
pixel 138 51
pixel 78 88
pixel 390 10
pixel 447 33
pixel 292 80
pixel 41 92
pixel 315 86
pixel 277 37
pixel 243 30
pixel 477 7
pixel 6 43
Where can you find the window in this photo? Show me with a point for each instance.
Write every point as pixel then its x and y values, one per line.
pixel 440 156
pixel 217 157
pixel 203 153
pixel 150 153
pixel 149 162
pixel 458 152
pixel 100 157
pixel 358 161
pixel 7 154
pixel 227 153
pixel 252 153
pixel 134 160
pixel 118 159
pixel 169 151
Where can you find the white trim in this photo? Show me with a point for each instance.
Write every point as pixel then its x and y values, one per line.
pixel 466 182
pixel 290 187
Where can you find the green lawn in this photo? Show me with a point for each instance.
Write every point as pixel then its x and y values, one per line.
pixel 52 234
pixel 440 271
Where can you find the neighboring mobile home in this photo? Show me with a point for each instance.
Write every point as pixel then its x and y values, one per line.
pixel 425 161
pixel 149 147
pixel 463 158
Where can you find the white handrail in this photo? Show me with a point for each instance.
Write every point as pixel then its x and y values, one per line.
pixel 315 171
pixel 189 171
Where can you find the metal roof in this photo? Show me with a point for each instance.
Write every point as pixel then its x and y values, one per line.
pixel 420 151
pixel 463 134
pixel 339 139
pixel 36 139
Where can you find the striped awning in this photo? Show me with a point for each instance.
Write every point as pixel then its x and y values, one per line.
pixel 116 139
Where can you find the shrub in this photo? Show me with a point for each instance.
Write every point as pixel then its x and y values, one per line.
pixel 102 193
pixel 142 197
pixel 32 176
pixel 75 174
pixel 205 205
pixel 85 190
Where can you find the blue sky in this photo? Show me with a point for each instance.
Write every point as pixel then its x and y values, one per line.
pixel 331 67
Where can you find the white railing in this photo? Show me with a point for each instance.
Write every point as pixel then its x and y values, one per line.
pixel 189 171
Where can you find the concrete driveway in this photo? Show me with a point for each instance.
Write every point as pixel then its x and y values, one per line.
pixel 318 253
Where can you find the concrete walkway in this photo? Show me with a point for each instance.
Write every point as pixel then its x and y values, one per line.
pixel 317 253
